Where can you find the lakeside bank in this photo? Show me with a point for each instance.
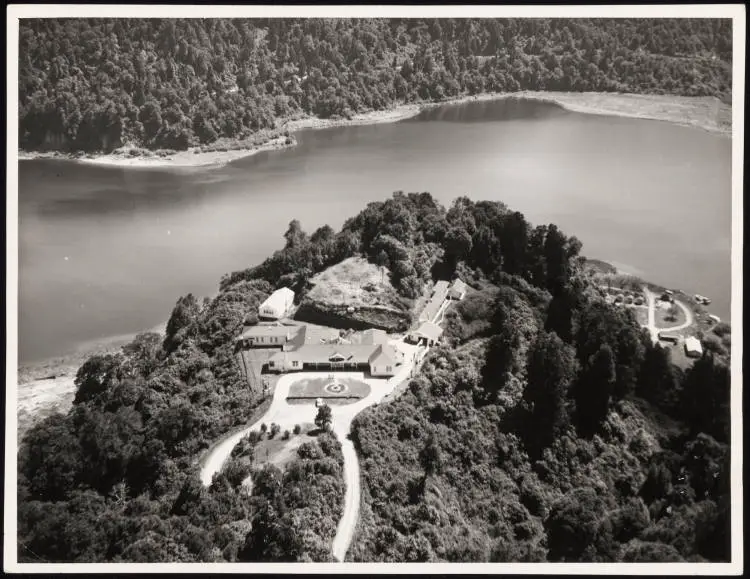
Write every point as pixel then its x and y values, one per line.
pixel 705 113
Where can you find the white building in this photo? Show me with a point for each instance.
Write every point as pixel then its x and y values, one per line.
pixel 427 333
pixel 457 291
pixel 277 305
pixel 693 348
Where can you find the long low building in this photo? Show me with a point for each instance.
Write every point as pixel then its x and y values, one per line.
pixel 286 337
pixel 377 359
pixel 439 294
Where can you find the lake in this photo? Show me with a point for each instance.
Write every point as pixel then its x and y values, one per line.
pixel 107 251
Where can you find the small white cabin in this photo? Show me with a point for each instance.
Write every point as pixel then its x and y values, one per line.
pixel 277 305
pixel 693 348
pixel 457 290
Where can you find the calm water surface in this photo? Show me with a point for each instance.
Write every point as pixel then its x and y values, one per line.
pixel 106 251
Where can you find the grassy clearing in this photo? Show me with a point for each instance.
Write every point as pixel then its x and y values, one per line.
pixel 668 315
pixel 316 388
pixel 279 451
pixel 355 282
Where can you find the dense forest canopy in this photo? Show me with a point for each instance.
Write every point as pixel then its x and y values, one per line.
pixel 96 84
pixel 548 427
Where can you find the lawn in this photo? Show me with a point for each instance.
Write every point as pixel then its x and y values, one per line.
pixel 662 314
pixel 252 360
pixel 340 391
pixel 277 450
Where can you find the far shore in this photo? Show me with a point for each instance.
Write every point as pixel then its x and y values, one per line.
pixel 706 113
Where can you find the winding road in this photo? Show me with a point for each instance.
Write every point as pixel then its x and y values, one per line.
pixel 287 415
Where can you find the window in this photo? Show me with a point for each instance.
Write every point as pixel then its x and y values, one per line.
pixel 295 364
pixel 388 369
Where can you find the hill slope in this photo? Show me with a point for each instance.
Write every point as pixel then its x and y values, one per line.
pixel 96 84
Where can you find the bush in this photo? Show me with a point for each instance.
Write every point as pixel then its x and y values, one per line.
pixel 297 429
pixel 286 435
pixel 722 329
pixel 263 428
pixel 275 429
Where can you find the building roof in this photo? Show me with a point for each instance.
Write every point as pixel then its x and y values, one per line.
pixel 279 298
pixel 438 297
pixel 373 336
pixel 348 353
pixel 693 344
pixel 308 335
pixel 275 330
pixel 385 355
pixel 429 330
pixel 458 286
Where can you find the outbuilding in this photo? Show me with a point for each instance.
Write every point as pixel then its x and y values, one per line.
pixel 693 348
pixel 277 305
pixel 457 290
pixel 427 333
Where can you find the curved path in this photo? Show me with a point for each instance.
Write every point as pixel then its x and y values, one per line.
pixel 653 330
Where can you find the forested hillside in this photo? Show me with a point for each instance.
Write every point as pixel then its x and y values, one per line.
pixel 94 85
pixel 548 428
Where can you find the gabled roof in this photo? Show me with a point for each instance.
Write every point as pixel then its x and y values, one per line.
pixel 458 285
pixel 429 330
pixel 374 336
pixel 693 344
pixel 385 355
pixel 278 298
pixel 267 330
pixel 309 336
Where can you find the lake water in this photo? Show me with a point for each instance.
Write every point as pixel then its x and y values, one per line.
pixel 106 251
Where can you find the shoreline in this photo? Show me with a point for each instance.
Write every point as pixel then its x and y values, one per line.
pixel 705 113
pixel 47 386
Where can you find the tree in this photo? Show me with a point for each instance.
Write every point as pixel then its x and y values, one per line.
pixel 457 244
pixel 430 457
pixel 184 314
pixel 294 236
pixel 657 381
pixel 97 373
pixel 556 258
pixel 594 389
pixel 550 371
pixel 381 260
pixel 324 417
pixel 573 524
pixel 704 402
pixel 560 314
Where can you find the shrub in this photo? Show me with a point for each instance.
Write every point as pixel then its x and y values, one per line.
pixel 275 429
pixel 263 428
pixel 297 429
pixel 286 435
pixel 722 329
